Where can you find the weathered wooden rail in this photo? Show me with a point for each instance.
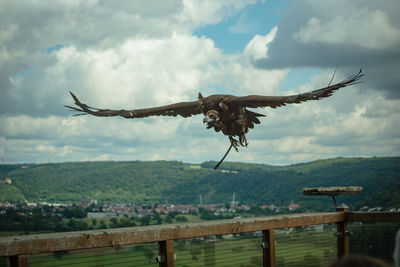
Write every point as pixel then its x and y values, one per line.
pixel 17 248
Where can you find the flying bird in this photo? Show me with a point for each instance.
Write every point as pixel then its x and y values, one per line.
pixel 224 113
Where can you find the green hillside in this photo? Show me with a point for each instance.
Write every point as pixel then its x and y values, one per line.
pixel 10 193
pixel 177 182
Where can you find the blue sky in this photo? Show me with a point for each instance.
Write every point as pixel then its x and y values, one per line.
pixel 233 33
pixel 133 54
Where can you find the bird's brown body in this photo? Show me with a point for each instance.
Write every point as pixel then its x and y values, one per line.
pixel 225 113
pixel 230 117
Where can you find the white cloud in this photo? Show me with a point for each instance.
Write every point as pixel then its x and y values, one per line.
pixel 202 12
pixel 363 28
pixel 140 72
pixel 356 34
pixel 134 56
pixel 257 48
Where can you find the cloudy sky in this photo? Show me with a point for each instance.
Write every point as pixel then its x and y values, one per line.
pixel 137 54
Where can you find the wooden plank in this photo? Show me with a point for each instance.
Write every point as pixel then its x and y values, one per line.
pixel 31 244
pixel 19 261
pixel 332 191
pixel 268 247
pixel 373 216
pixel 166 253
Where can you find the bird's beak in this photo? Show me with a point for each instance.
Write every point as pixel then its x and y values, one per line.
pixel 207 119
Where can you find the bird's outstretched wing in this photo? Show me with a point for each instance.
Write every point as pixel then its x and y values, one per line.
pixel 256 101
pixel 184 109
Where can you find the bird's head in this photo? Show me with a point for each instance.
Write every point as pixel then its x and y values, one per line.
pixel 211 117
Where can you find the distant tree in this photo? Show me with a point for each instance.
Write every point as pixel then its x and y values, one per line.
pixel 172 214
pixel 195 250
pixel 145 220
pixel 125 222
pixel 168 219
pixel 256 210
pixel 193 211
pixel 113 222
pixel 71 223
pixel 94 221
pixel 74 212
pixel 102 225
pixel 47 208
pixel 181 218
pixel 60 254
pixel 206 215
pixel 60 227
pixel 157 218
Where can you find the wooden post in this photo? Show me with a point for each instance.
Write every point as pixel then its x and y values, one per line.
pixel 166 250
pixel 343 239
pixel 268 247
pixel 19 261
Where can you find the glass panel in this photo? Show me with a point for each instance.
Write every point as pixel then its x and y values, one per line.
pixel 137 255
pixel 306 246
pixel 226 250
pixel 374 239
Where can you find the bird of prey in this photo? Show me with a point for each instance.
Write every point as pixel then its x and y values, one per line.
pixel 224 113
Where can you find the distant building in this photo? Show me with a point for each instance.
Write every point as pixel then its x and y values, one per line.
pixel 98 215
pixel 316 228
pixel 229 171
pixel 182 208
pixel 245 207
pixel 86 202
pixel 31 204
pixel 6 181
pixel 195 167
pixel 293 206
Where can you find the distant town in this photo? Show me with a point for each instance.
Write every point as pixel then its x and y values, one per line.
pixel 96 210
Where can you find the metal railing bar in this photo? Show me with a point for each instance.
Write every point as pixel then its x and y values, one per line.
pixel 122 262
pixel 95 261
pixel 219 250
pixel 110 255
pixel 245 250
pixel 239 254
pixel 73 257
pixel 223 260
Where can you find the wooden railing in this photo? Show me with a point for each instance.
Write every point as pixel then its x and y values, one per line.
pixel 18 248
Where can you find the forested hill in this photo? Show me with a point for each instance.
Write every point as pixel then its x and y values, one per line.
pixel 159 181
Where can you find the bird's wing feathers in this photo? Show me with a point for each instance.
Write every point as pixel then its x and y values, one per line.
pixel 184 109
pixel 255 101
pixel 187 109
